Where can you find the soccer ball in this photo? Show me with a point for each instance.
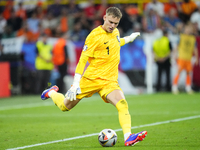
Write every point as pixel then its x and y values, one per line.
pixel 107 138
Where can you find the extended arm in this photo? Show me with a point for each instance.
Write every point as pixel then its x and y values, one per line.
pixel 130 38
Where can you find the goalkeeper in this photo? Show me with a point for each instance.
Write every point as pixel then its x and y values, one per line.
pixel 102 51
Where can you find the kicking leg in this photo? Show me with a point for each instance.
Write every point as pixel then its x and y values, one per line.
pixel 117 98
pixel 59 99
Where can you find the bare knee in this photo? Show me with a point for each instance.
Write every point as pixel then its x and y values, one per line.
pixel 115 96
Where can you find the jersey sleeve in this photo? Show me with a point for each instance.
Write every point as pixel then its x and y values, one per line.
pixel 81 64
pixel 122 42
pixel 88 51
pixel 90 45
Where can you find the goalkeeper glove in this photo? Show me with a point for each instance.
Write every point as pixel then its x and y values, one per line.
pixel 131 37
pixel 75 88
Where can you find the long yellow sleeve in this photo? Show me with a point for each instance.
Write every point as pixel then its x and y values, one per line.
pixel 122 42
pixel 81 64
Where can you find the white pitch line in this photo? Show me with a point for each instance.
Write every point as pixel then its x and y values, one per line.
pixel 94 134
pixel 31 105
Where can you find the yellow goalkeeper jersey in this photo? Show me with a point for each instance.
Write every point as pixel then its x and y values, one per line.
pixel 103 50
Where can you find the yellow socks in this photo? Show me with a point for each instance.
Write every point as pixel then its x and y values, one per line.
pixel 124 117
pixel 58 99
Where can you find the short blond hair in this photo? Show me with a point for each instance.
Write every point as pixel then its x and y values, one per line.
pixel 114 11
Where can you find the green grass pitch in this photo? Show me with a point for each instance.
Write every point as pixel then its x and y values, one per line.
pixel 172 123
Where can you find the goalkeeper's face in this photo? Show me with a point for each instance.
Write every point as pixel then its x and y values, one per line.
pixel 110 23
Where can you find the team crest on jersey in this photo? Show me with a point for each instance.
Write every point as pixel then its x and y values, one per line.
pixel 85 47
pixel 118 38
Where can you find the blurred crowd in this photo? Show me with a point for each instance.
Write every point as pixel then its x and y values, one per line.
pixel 77 20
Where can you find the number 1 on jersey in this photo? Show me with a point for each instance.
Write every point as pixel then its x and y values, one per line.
pixel 107 49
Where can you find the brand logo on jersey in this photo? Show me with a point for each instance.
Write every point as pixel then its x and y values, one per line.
pixel 118 38
pixel 85 47
pixel 106 42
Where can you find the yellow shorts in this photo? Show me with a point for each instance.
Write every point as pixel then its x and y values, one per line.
pixel 101 86
pixel 185 64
